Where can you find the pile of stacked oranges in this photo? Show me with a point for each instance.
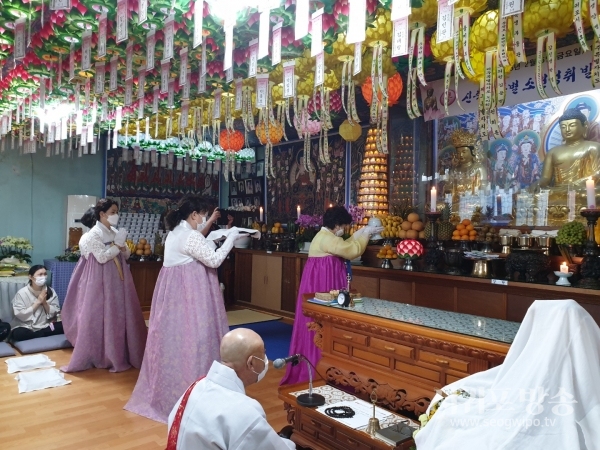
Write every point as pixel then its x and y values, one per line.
pixel 464 232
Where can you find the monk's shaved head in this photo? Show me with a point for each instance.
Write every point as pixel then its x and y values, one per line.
pixel 238 345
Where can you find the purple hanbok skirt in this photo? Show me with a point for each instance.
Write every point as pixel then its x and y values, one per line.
pixel 320 275
pixel 187 323
pixel 102 317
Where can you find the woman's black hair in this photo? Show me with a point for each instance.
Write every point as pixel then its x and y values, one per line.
pixel 186 206
pixel 32 271
pixel 103 205
pixel 336 215
pixel 89 218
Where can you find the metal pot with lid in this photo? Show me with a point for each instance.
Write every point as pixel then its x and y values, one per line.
pixel 507 241
pixel 545 241
pixel 525 240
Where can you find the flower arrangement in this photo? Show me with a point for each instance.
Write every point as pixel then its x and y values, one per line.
pixel 356 212
pixel 309 226
pixel 14 248
pixel 71 255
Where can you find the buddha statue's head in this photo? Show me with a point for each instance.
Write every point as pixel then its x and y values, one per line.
pixel 573 125
pixel 464 143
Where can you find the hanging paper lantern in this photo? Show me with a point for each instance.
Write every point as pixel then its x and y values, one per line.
pixel 442 51
pixel 315 103
pixel 231 140
pixel 350 132
pixel 277 94
pixel 275 133
pixel 542 14
pixel 381 29
pixel 478 63
pixel 394 85
pixel 476 6
pixel 484 32
pixel 426 14
pixel 388 66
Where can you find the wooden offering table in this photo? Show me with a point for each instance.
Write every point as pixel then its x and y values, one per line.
pixel 402 351
pixel 317 431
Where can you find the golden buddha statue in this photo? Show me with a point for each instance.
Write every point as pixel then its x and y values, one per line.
pixel 568 166
pixel 467 175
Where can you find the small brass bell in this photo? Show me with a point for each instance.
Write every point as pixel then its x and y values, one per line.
pixel 373 426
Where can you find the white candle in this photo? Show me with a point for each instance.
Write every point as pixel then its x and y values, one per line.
pixel 433 199
pixel 571 205
pixel 591 193
pixel 298 211
pixel 564 268
pixel 260 214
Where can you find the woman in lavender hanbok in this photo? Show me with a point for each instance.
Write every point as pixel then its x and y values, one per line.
pixel 187 319
pixel 325 270
pixel 101 314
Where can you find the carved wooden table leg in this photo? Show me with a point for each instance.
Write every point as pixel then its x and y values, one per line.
pixel 318 329
pixel 291 413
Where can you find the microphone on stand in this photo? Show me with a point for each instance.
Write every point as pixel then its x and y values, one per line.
pixel 310 400
pixel 280 363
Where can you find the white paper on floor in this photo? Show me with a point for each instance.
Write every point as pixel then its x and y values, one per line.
pixel 40 379
pixel 28 363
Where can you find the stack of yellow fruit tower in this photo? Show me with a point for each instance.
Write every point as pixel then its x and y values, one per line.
pixel 373 192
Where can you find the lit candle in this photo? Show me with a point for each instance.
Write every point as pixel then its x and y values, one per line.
pixel 260 214
pixel 564 268
pixel 298 211
pixel 499 205
pixel 433 199
pixel 591 193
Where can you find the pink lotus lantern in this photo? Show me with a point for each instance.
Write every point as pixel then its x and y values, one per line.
pixel 409 249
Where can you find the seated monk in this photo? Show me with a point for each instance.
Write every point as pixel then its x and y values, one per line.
pixel 215 413
pixel 544 396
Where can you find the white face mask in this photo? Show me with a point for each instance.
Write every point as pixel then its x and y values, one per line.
pixel 113 220
pixel 264 371
pixel 340 232
pixel 40 281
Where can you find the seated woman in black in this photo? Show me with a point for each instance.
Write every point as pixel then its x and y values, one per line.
pixel 35 307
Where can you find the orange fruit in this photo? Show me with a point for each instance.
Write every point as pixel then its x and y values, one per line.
pixel 472 238
pixel 470 227
pixel 464 232
pixel 472 233
pixel 456 233
pixel 460 226
pixel 464 238
pixel 466 222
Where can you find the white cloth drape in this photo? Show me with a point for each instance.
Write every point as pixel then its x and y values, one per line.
pixel 546 394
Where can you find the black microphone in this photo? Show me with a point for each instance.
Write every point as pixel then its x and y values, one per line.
pixel 280 363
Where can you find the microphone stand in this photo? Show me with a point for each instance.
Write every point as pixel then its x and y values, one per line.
pixel 310 400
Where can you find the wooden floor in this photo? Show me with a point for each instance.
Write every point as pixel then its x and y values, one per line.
pixel 88 413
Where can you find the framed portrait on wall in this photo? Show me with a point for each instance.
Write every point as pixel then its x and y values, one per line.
pixel 233 188
pixel 260 169
pixel 249 187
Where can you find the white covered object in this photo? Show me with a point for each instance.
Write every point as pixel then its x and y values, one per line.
pixel 546 394
pixel 29 362
pixel 40 379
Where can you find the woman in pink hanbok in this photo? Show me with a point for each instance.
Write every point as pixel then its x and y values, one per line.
pixel 101 314
pixel 325 270
pixel 187 319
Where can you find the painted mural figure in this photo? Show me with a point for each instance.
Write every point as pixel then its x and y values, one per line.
pixel 501 168
pixel 528 166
